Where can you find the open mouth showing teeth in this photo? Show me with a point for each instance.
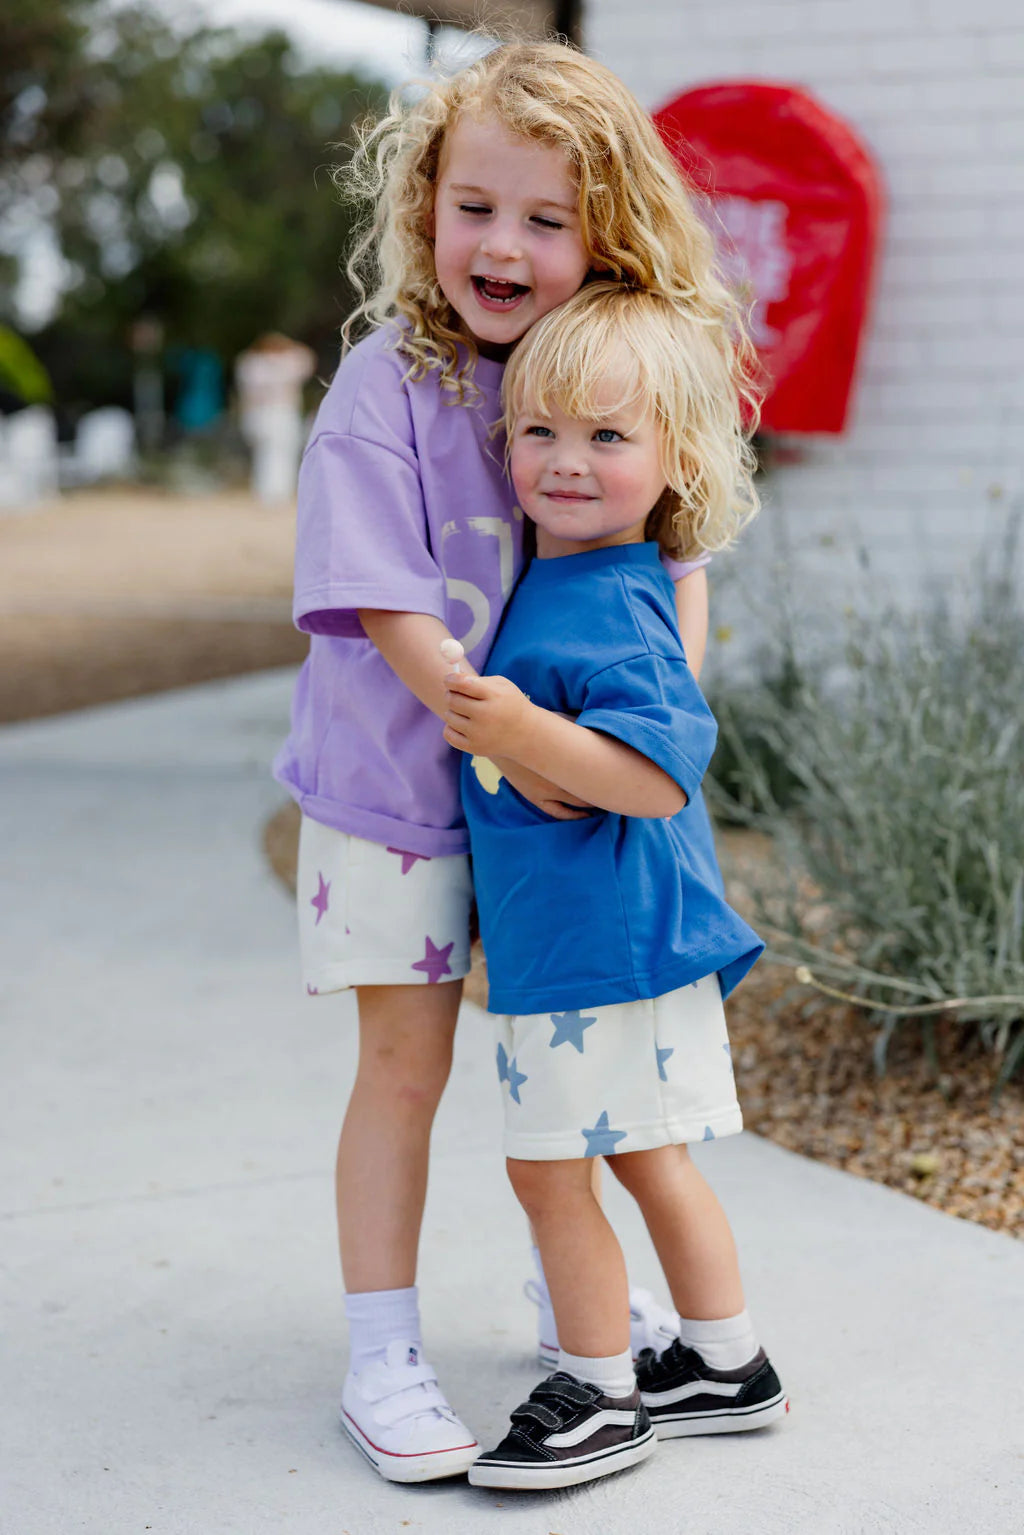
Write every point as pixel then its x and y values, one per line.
pixel 497 291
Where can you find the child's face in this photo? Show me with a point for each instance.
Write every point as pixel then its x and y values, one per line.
pixel 507 244
pixel 587 484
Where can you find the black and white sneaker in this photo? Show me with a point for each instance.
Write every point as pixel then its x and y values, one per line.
pixel 567 1432
pixel 683 1395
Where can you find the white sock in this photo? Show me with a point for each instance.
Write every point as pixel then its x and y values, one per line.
pixel 615 1375
pixel 376 1318
pixel 724 1344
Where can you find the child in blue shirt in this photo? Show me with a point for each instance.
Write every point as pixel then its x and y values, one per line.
pixel 609 943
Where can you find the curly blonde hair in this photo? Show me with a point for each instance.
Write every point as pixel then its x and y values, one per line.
pixel 659 358
pixel 638 222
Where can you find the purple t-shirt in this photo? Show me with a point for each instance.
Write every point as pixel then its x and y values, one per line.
pixel 403 505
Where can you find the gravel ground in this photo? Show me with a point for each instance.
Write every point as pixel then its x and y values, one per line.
pixel 112 593
pixel 807 1079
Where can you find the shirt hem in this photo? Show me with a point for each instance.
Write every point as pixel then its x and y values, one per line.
pixel 642 988
pixel 350 598
pixel 429 841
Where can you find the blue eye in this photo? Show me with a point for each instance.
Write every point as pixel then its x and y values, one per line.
pixel 607 434
pixel 539 431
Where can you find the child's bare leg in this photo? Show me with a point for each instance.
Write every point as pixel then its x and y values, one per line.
pixel 719 1380
pixel 405 1052
pixel 587 1420
pixel 689 1230
pixel 595 1184
pixel 582 1260
pixel 392 1405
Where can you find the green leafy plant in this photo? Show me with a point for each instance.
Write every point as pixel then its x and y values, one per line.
pixel 900 877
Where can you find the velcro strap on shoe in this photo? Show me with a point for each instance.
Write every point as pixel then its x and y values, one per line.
pixel 537 1413
pixel 559 1388
pixel 412 1375
pixel 410 1403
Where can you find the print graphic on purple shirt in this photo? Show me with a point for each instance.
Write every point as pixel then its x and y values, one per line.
pixel 403 505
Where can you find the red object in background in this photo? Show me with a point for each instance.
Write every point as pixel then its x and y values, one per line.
pixel 796 210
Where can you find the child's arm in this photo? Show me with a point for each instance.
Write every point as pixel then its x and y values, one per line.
pixel 491 717
pixel 411 645
pixel 692 615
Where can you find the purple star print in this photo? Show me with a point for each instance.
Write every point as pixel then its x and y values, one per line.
pixel 322 898
pixel 408 859
pixel 435 961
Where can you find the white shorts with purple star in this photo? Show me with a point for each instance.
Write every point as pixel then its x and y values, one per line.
pixel 627 1077
pixel 371 915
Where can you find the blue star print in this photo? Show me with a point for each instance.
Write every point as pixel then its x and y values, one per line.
pixel 663 1056
pixel 709 1134
pixel 508 1072
pixel 515 1080
pixel 601 1141
pixel 569 1029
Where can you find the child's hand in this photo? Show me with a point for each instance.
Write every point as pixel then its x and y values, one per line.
pixel 486 716
pixel 541 792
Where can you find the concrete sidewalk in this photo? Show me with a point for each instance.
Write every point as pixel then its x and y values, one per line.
pixel 173 1335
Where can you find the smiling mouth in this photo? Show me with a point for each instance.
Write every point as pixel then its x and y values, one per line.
pixel 498 292
pixel 566 495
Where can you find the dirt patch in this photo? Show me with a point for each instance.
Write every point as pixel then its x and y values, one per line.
pixel 809 1083
pixel 110 594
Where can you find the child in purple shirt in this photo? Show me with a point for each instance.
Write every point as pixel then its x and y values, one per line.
pixel 499 193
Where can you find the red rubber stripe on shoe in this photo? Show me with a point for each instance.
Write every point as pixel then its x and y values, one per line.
pixel 407 1454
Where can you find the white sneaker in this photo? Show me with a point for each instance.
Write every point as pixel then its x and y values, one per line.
pixel 650 1325
pixel 394 1411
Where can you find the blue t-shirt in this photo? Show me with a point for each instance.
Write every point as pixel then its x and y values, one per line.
pixel 610 908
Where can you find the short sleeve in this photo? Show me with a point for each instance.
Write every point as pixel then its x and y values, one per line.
pixel 678 570
pixel 652 703
pixel 362 537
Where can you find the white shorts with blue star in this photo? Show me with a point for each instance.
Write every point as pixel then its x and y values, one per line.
pixel 371 915
pixel 627 1077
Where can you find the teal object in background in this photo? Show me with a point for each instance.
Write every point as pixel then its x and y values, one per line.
pixel 201 395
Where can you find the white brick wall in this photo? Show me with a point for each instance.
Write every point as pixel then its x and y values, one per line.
pixel 934 454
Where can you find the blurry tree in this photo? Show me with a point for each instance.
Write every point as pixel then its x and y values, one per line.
pixel 180 178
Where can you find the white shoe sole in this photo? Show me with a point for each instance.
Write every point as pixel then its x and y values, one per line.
pixel 429 1467
pixel 729 1421
pixel 514 1476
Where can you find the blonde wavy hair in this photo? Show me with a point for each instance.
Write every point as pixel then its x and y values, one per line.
pixel 638 223
pixel 653 356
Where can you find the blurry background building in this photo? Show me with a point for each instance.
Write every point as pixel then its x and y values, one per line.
pixel 934 451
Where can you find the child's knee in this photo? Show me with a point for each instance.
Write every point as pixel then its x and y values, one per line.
pixel 638 1170
pixel 409 1087
pixel 543 1188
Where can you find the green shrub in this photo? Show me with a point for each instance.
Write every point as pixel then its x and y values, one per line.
pixel 900 827
pixel 748 767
